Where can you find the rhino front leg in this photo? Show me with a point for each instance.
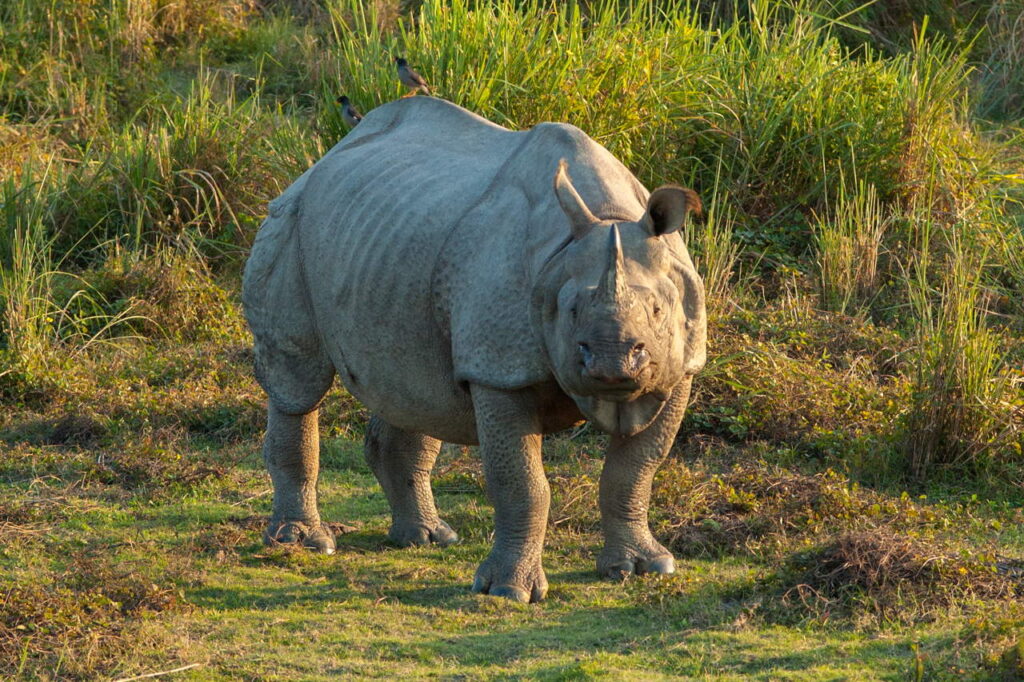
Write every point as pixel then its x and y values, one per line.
pixel 629 468
pixel 402 462
pixel 508 428
pixel 291 451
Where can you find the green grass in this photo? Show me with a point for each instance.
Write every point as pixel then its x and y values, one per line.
pixel 862 241
pixel 137 535
pixel 240 609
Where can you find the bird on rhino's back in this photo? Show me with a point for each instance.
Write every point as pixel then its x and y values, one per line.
pixel 466 289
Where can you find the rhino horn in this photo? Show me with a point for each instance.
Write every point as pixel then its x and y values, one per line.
pixel 612 288
pixel 581 219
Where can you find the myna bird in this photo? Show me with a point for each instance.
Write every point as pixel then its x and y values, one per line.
pixel 410 78
pixel 349 113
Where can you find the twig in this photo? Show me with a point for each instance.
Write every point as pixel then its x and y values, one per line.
pixel 162 672
pixel 252 497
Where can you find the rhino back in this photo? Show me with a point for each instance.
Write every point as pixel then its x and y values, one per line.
pixel 374 219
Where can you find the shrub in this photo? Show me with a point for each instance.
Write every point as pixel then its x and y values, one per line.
pixel 895 577
pixel 965 412
pixel 848 247
pixel 171 295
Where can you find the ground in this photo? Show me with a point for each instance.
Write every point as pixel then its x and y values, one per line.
pixel 136 539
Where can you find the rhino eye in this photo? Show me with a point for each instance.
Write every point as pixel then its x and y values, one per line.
pixel 657 310
pixel 573 312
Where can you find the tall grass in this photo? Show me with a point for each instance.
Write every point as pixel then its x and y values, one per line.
pixel 1002 72
pixel 714 249
pixel 962 412
pixel 166 127
pixel 848 246
pixel 26 276
pixel 48 317
pixel 763 102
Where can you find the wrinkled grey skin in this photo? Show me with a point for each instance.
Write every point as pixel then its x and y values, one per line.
pixel 465 289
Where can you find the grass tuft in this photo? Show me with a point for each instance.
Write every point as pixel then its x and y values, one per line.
pixel 965 411
pixel 897 577
pixel 848 247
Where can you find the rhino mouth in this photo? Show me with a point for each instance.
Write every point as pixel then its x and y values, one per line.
pixel 620 416
pixel 615 395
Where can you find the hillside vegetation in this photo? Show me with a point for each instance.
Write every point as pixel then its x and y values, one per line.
pixel 845 494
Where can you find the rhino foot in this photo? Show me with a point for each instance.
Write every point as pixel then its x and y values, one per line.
pixel 316 536
pixel 522 581
pixel 620 562
pixel 418 535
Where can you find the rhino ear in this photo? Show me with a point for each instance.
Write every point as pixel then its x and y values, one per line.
pixel 667 208
pixel 581 219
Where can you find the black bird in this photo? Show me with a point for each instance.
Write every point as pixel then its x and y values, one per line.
pixel 349 113
pixel 410 78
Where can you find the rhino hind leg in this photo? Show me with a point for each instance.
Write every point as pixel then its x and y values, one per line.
pixel 291 451
pixel 293 368
pixel 402 462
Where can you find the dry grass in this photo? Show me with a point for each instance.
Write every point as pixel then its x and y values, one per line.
pixel 73 620
pixel 75 429
pixel 153 461
pixel 758 510
pixel 223 541
pixel 894 576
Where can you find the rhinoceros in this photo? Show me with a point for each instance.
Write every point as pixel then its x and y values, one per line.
pixel 465 289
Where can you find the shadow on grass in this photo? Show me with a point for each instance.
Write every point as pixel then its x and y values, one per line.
pixel 700 629
pixel 604 639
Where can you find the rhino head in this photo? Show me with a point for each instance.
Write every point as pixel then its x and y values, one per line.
pixel 622 317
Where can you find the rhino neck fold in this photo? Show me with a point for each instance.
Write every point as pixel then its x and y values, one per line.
pixel 621 418
pixel 544 284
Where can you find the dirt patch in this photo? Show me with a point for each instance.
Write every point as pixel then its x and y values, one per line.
pixel 893 575
pixel 754 509
pixel 77 618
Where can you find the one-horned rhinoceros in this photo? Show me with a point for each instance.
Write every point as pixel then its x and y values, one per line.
pixel 465 289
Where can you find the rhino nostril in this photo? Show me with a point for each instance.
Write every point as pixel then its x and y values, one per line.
pixel 586 357
pixel 639 357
